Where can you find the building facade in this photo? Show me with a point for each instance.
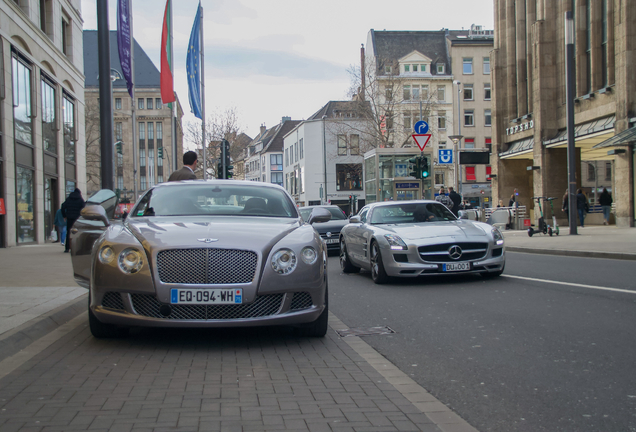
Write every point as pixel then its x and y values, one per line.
pixel 529 94
pixel 323 157
pixel 156 131
pixel 42 141
pixel 443 78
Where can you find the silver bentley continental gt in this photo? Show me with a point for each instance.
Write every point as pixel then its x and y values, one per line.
pixel 417 238
pixel 216 253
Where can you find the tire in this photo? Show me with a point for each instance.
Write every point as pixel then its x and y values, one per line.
pixel 530 232
pixel 345 261
pixel 101 330
pixel 550 232
pixel 319 327
pixel 378 273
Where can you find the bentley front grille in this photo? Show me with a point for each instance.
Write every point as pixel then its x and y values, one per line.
pixel 441 253
pixel 112 300
pixel 301 300
pixel 266 305
pixel 206 266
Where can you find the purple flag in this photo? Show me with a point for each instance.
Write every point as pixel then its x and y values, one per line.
pixel 123 42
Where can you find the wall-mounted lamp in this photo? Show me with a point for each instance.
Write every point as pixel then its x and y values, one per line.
pixel 615 152
pixel 533 167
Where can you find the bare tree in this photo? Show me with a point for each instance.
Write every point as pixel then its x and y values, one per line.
pixel 93 147
pixel 218 126
pixel 390 103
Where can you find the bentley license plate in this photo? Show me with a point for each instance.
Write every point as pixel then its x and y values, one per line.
pixel 216 296
pixel 460 266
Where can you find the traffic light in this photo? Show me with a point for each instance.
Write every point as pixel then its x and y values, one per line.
pixel 414 167
pixel 226 160
pixel 119 147
pixel 424 167
pixel 219 170
pixel 160 152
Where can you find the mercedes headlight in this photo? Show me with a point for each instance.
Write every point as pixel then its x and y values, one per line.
pixel 395 242
pixel 284 261
pixel 106 255
pixel 130 260
pixel 497 236
pixel 309 255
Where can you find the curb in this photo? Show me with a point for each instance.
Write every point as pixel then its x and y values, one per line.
pixel 574 253
pixel 24 335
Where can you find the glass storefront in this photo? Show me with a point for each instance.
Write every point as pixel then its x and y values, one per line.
pixel 25 190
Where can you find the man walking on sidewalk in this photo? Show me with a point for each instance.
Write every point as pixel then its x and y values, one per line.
pixel 71 209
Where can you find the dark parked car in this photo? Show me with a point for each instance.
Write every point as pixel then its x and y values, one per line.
pixel 217 253
pixel 329 231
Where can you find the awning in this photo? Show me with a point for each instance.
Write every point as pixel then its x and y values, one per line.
pixel 518 148
pixel 624 138
pixel 582 130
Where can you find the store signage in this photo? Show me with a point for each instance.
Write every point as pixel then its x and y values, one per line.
pixel 407 185
pixel 2 209
pixel 520 128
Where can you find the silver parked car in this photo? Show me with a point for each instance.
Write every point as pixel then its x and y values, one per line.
pixel 218 253
pixel 416 238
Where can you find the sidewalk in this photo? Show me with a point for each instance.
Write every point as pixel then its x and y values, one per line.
pixel 593 241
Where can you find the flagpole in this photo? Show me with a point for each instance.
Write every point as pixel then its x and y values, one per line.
pixel 203 140
pixel 173 115
pixel 132 101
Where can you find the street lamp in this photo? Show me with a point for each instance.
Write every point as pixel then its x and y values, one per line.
pixel 457 139
pixel 569 101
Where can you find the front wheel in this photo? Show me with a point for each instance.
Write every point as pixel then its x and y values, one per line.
pixel 345 262
pixel 378 273
pixel 319 327
pixel 530 232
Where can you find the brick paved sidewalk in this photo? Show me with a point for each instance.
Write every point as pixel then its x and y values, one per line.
pixel 211 380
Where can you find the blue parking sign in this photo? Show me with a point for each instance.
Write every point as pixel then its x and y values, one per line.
pixel 445 156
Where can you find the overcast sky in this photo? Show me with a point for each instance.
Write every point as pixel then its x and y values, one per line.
pixel 275 58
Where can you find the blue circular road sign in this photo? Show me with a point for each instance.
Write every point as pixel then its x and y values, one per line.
pixel 421 127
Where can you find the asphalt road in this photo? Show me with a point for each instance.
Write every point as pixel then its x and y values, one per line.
pixel 538 349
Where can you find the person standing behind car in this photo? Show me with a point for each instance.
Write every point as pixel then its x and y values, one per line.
pixel 582 206
pixel 444 199
pixel 456 198
pixel 605 200
pixel 71 209
pixel 189 165
pixel 60 227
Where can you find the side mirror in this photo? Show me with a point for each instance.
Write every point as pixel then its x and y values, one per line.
pixel 319 215
pixel 354 219
pixel 96 213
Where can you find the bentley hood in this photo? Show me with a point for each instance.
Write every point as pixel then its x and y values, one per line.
pixel 460 229
pixel 253 233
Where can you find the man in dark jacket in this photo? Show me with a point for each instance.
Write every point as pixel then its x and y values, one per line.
pixel 582 206
pixel 71 209
pixel 187 172
pixel 456 198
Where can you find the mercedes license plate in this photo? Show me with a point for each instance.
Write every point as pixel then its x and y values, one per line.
pixel 201 296
pixel 459 266
pixel 331 241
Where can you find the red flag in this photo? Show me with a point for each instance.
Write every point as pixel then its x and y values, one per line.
pixel 167 81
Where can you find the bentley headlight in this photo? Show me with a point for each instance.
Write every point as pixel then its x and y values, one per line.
pixel 395 242
pixel 106 255
pixel 130 260
pixel 284 261
pixel 497 236
pixel 309 255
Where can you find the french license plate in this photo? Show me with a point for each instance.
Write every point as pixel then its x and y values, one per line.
pixel 332 241
pixel 460 266
pixel 197 296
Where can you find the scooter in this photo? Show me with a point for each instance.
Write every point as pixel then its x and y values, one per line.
pixel 543 228
pixel 555 227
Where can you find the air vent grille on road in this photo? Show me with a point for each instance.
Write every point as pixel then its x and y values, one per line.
pixel 367 331
pixel 147 305
pixel 112 300
pixel 206 266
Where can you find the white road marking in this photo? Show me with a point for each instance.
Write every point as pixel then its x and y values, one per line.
pixel 571 284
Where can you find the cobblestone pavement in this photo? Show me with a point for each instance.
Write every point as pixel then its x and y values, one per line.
pixel 210 380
